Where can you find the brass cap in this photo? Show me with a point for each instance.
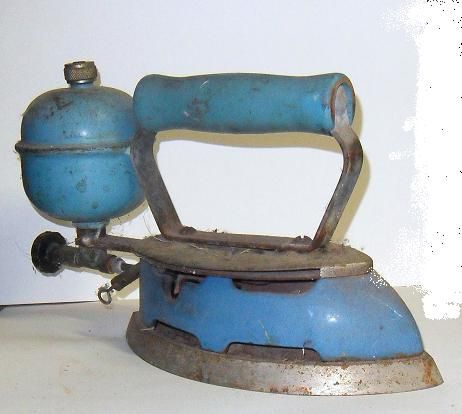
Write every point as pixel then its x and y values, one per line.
pixel 80 72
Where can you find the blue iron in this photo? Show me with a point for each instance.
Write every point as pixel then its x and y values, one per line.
pixel 275 314
pixel 326 318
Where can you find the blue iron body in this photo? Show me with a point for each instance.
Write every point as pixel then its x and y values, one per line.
pixel 357 317
pixel 75 155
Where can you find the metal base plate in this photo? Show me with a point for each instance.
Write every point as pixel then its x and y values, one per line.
pixel 333 260
pixel 278 370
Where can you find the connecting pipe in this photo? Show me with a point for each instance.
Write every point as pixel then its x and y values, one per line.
pixel 50 253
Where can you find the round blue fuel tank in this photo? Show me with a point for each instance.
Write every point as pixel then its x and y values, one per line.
pixel 75 151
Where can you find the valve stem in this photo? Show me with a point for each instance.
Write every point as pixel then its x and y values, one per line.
pixel 129 275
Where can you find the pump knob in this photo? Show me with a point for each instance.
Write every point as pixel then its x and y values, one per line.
pixel 80 72
pixel 44 249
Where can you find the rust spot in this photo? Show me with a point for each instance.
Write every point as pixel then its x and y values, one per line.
pixel 187 230
pixel 81 186
pixel 197 109
pixel 60 102
pixel 303 390
pixel 386 363
pixel 427 377
pixel 48 116
pixel 402 355
pixel 197 377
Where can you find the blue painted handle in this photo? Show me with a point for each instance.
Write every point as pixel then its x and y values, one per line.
pixel 240 103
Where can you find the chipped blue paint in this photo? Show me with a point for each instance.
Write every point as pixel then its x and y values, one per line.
pixel 357 317
pixel 75 156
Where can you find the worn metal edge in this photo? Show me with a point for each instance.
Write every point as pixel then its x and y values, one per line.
pixel 286 377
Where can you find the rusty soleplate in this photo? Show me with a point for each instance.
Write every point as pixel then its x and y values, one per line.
pixel 276 370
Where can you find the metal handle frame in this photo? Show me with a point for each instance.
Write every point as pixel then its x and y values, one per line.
pixel 169 223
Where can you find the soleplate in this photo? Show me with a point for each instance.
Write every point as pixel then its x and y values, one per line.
pixel 176 354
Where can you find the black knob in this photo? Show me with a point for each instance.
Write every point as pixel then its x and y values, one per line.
pixel 44 249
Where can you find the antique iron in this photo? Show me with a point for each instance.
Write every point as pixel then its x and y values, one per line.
pixel 274 314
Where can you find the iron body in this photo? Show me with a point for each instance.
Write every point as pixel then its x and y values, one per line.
pixel 330 317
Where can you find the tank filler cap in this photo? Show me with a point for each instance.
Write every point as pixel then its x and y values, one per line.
pixel 80 72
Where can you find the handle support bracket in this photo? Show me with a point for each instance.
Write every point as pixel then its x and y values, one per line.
pixel 170 226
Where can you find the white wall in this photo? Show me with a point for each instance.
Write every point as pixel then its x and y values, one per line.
pixel 252 184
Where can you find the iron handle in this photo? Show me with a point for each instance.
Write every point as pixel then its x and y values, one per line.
pixel 240 103
pixel 160 103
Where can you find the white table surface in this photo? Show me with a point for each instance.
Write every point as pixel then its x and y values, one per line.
pixel 70 358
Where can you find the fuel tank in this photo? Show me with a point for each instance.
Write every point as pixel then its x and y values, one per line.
pixel 75 151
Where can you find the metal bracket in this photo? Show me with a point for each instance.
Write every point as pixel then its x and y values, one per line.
pixel 171 227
